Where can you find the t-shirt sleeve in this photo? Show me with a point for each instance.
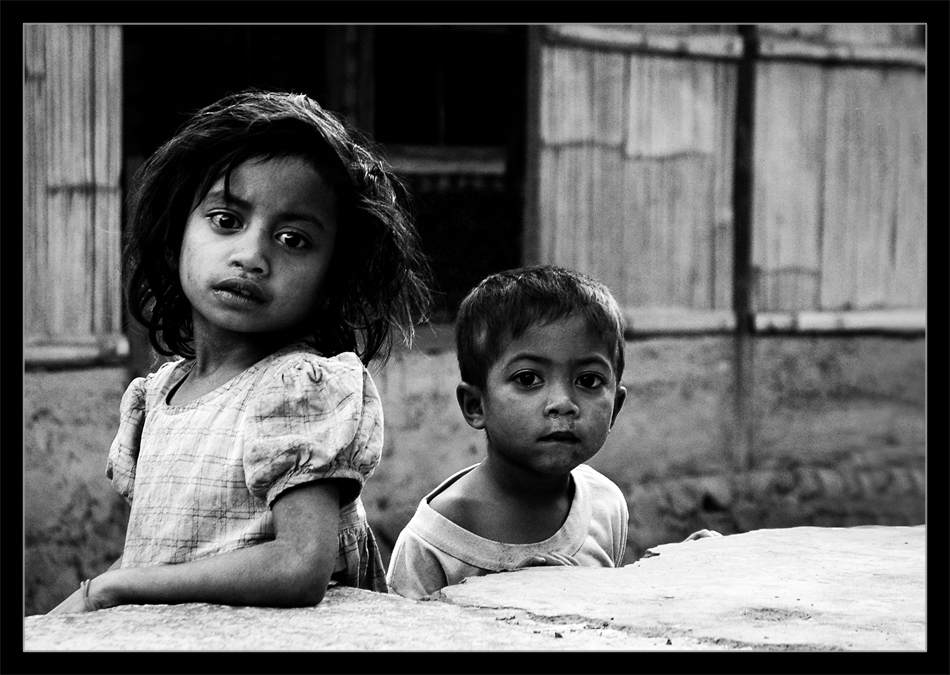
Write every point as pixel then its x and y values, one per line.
pixel 124 452
pixel 312 419
pixel 414 568
pixel 624 524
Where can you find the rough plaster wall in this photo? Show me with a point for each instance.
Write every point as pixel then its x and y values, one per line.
pixel 838 437
pixel 839 441
pixel 74 522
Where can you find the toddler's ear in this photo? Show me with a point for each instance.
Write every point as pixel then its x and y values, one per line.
pixel 619 398
pixel 470 402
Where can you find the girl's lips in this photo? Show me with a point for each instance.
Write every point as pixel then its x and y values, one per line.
pixel 244 288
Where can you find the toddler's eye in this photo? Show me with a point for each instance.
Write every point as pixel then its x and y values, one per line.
pixel 591 381
pixel 224 220
pixel 526 378
pixel 292 240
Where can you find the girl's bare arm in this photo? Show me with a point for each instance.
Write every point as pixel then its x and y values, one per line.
pixel 292 570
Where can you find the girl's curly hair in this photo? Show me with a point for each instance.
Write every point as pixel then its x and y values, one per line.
pixel 379 279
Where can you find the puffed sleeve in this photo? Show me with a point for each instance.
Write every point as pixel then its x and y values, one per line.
pixel 315 418
pixel 120 466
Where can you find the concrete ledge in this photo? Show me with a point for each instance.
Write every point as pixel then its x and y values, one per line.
pixel 797 589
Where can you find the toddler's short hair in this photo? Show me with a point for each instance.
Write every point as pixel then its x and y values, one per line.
pixel 504 305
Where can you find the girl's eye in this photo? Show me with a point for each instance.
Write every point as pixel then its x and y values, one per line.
pixel 526 378
pixel 292 240
pixel 591 381
pixel 225 221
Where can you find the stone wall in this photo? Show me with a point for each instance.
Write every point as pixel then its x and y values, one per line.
pixel 838 440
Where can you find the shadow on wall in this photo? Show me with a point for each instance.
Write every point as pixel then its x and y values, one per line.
pixel 838 427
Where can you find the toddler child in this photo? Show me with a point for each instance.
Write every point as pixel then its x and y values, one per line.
pixel 269 249
pixel 541 355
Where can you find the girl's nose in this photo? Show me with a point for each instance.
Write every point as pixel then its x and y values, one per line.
pixel 560 403
pixel 250 252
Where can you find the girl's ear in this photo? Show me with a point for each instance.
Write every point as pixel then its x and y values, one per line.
pixel 619 398
pixel 470 402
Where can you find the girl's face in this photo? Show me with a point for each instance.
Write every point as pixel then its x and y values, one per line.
pixel 254 260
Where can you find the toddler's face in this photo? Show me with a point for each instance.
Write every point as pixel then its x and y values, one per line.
pixel 551 397
pixel 254 261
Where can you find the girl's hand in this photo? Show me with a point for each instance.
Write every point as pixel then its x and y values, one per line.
pixel 547 559
pixel 86 599
pixel 77 602
pixel 701 534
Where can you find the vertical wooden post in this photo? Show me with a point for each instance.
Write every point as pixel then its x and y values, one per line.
pixel 351 89
pixel 531 226
pixel 742 249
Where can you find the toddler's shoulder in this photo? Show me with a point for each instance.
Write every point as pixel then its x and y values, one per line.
pixel 601 487
pixel 595 477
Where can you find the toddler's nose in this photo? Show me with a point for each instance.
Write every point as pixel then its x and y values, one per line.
pixel 560 404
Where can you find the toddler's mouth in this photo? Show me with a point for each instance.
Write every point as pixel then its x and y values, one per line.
pixel 561 437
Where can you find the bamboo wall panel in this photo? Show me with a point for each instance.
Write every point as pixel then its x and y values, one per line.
pixel 908 279
pixel 787 193
pixel 635 160
pixel 72 157
pixel 671 107
pixel 679 175
pixel 611 222
pixel 566 92
pixel 724 136
pixel 668 250
pixel 607 97
pixel 35 244
pixel 107 309
pixel 634 181
pixel 869 112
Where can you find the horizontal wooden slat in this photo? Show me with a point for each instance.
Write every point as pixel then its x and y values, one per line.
pixel 898 320
pixel 659 321
pixel 641 39
pixel 447 160
pixel 671 321
pixel 104 348
pixel 777 48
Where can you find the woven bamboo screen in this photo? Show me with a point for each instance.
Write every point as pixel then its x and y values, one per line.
pixel 72 112
pixel 840 170
pixel 635 162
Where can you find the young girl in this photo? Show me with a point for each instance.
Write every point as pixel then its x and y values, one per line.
pixel 268 248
